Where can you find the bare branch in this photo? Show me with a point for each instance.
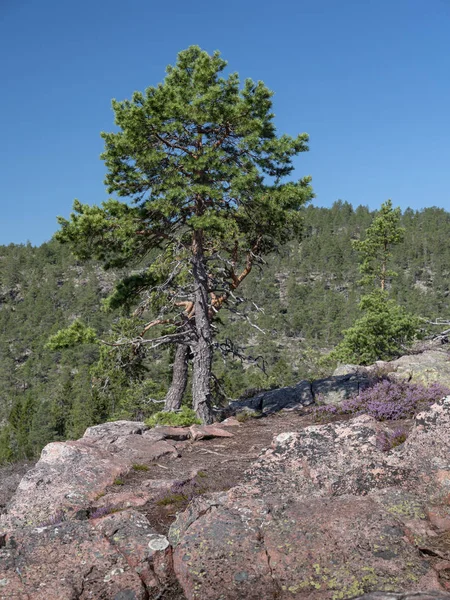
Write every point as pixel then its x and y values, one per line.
pixel 229 347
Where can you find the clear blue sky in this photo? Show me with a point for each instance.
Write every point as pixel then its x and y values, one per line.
pixel 369 80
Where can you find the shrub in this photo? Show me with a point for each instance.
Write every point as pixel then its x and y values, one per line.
pixel 182 492
pixel 118 481
pixel 140 467
pixel 242 417
pixel 387 401
pixel 183 418
pixel 172 498
pixel 109 509
pixel 56 519
pixel 386 440
pixel 323 413
pixel 248 413
pixel 382 332
pixel 391 400
pixel 75 334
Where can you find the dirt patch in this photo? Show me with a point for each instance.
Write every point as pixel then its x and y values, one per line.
pixel 205 466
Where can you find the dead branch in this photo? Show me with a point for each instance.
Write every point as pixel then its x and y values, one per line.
pixel 153 324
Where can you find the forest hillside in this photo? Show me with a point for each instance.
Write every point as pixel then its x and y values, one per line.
pixel 302 300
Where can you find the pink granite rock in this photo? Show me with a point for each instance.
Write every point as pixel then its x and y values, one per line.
pixel 327 460
pixel 261 548
pixel 426 452
pixel 325 514
pixel 143 549
pixel 219 550
pixel 63 562
pixel 119 556
pixel 115 429
pixel 172 433
pixel 68 476
pixel 200 432
pixel 230 422
pixel 121 500
pixel 141 449
pixel 343 458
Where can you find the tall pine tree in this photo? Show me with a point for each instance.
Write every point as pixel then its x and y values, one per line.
pixel 200 174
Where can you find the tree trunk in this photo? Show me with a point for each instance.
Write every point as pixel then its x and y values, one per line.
pixel 202 349
pixel 201 378
pixel 179 379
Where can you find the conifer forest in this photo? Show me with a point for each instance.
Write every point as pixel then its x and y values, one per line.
pixel 290 313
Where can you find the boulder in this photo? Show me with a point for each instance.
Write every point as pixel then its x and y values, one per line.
pixel 344 458
pixel 78 559
pixel 426 451
pixel 332 390
pixel 262 548
pixel 325 514
pixel 346 369
pixel 428 367
pixel 68 477
pixel 289 397
pixel 327 460
pixel 275 400
pixel 347 381
pixel 202 432
pixel 170 433
pixel 115 429
pixel 254 403
pixel 140 449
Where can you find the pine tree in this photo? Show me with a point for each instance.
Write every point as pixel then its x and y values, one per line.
pixel 200 174
pixel 376 249
pixel 385 327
